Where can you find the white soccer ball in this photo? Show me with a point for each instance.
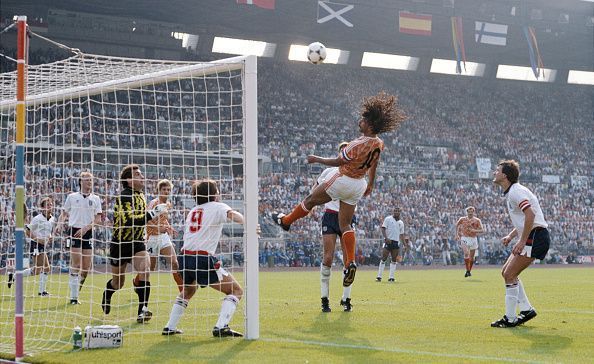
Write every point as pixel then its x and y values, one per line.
pixel 316 53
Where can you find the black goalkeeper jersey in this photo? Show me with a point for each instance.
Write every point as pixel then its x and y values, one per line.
pixel 129 216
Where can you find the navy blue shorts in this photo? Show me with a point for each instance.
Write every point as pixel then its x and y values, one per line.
pixel 201 269
pixel 330 224
pixel 393 244
pixel 36 249
pixel 85 242
pixel 540 241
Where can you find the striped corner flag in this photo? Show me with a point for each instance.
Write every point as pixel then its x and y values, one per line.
pixel 416 24
pixel 265 4
pixel 533 51
pixel 490 33
pixel 458 41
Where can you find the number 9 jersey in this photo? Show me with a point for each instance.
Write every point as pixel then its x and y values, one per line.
pixel 361 154
pixel 204 225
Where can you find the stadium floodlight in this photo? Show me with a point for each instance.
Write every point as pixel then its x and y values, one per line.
pixel 448 67
pixel 298 52
pixel 389 61
pixel 243 47
pixel 508 72
pixel 580 77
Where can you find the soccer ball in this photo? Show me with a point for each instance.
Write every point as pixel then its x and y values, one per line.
pixel 316 53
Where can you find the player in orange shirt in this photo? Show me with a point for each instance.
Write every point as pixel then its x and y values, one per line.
pixel 467 229
pixel 159 233
pixel 379 114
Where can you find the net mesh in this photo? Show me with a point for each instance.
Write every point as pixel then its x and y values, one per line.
pixel 180 121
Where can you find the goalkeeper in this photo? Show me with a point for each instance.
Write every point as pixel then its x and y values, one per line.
pixel 127 243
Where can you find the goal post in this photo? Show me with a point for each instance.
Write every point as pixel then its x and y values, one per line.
pixel 178 120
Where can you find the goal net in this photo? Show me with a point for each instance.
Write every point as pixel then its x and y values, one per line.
pixel 89 113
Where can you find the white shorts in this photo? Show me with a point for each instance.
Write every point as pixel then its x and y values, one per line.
pixel 156 243
pixel 470 242
pixel 343 188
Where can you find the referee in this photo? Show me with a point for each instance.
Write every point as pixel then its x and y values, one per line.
pixel 127 244
pixel 83 211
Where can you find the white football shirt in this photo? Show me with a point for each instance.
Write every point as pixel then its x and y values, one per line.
pixel 393 228
pixel 204 225
pixel 519 198
pixel 82 210
pixel 41 227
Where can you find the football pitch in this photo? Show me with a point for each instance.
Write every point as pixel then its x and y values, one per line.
pixel 429 315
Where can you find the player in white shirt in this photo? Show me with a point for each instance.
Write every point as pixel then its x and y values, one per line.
pixel 393 232
pixel 40 231
pixel 83 211
pixel 533 243
pixel 197 263
pixel 331 231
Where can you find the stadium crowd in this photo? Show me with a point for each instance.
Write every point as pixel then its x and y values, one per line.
pixel 428 169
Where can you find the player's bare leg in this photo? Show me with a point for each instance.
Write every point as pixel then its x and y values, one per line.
pixel 466 258
pixel 171 259
pixel 512 268
pixel 345 217
pixel 142 286
pixel 318 196
pixel 229 286
pixel 86 265
pixel 471 254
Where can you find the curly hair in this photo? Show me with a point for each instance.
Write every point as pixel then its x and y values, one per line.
pixel 382 112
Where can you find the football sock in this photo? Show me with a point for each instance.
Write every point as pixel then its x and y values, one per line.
pixel 392 269
pixel 298 212
pixel 511 300
pixel 523 301
pixel 179 280
pixel 143 290
pixel 349 242
pixel 73 282
pixel 179 306
pixel 42 282
pixel 325 280
pixel 346 291
pixel 380 270
pixel 470 263
pixel 227 310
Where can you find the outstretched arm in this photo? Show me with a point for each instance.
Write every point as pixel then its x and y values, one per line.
pixel 332 162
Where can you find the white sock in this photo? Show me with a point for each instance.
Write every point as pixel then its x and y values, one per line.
pixel 380 270
pixel 42 282
pixel 73 280
pixel 176 312
pixel 227 310
pixel 523 301
pixel 27 272
pixel 325 280
pixel 346 291
pixel 392 269
pixel 511 300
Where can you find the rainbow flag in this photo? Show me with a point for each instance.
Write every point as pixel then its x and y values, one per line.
pixel 458 42
pixel 533 51
pixel 416 24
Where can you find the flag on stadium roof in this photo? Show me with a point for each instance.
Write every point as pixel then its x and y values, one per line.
pixel 416 24
pixel 265 4
pixel 533 51
pixel 458 41
pixel 490 33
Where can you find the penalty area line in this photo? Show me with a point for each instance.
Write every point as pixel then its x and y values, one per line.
pixel 398 350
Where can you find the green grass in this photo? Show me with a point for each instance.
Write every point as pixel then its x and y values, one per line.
pixel 426 316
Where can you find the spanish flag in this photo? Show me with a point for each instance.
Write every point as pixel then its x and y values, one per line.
pixel 416 24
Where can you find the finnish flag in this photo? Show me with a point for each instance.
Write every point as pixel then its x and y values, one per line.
pixel 490 33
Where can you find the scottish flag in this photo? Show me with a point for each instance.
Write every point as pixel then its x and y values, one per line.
pixel 490 33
